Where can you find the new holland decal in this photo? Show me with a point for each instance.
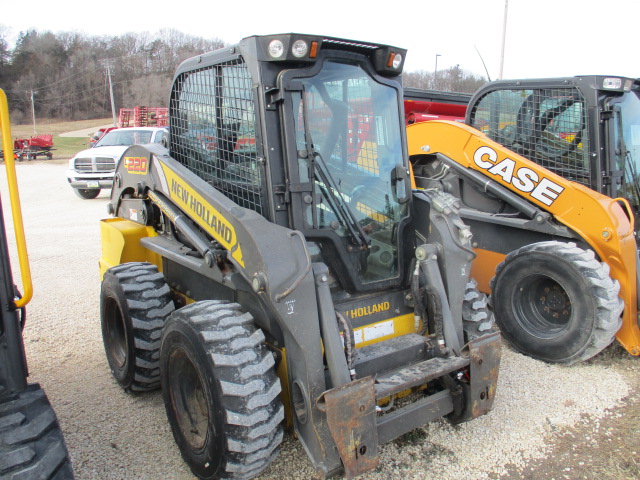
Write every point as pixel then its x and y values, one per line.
pixel 204 214
pixel 523 178
pixel 368 310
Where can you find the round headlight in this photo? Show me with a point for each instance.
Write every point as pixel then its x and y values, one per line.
pixel 299 48
pixel 276 48
pixel 397 60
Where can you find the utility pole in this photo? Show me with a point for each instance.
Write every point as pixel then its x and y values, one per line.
pixel 435 71
pixel 113 103
pixel 33 111
pixel 504 38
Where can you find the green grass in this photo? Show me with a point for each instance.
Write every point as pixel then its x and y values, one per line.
pixel 65 147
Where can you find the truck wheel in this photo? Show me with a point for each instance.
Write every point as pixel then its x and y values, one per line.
pixel 135 302
pixel 477 319
pixel 31 442
pixel 555 302
pixel 87 193
pixel 220 391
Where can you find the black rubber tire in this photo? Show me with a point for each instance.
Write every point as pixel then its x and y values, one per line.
pixel 477 318
pixel 87 193
pixel 31 442
pixel 220 391
pixel 135 302
pixel 555 302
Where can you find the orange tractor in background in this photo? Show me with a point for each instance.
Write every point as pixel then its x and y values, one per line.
pixel 547 182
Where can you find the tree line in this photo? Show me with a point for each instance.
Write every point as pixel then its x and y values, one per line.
pixel 67 75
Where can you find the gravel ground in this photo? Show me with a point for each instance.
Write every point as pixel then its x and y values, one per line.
pixel 112 435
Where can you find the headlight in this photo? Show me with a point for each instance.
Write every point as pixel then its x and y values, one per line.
pixel 276 48
pixel 299 48
pixel 612 83
pixel 397 61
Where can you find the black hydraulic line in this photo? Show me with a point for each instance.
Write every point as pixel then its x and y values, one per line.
pixel 334 352
pixel 492 186
pixel 184 226
pixel 429 265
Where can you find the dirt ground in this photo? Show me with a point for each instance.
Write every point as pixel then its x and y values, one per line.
pixel 605 448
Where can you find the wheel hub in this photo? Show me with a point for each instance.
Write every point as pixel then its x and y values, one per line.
pixel 189 399
pixel 544 306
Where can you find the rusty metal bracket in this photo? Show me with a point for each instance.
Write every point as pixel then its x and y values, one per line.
pixel 351 418
pixel 485 354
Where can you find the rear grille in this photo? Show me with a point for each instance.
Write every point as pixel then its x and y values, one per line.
pixel 95 165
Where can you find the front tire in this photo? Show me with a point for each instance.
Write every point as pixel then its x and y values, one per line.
pixel 135 302
pixel 555 302
pixel 31 442
pixel 477 319
pixel 87 193
pixel 220 391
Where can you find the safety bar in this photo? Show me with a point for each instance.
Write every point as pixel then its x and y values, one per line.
pixel 16 211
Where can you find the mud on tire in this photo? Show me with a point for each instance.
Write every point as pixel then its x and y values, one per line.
pixel 135 302
pixel 31 442
pixel 220 391
pixel 555 302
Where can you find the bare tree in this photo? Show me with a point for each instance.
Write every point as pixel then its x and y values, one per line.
pixel 453 79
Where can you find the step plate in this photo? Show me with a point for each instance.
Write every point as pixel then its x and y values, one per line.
pixel 418 374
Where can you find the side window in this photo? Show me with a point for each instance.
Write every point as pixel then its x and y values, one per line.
pixel 157 137
pixel 214 134
pixel 547 126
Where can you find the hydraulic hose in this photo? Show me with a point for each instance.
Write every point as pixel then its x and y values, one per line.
pixel 427 256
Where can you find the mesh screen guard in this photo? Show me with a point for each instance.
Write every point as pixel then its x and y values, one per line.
pixel 213 130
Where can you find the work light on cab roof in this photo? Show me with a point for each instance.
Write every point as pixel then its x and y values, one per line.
pixel 296 47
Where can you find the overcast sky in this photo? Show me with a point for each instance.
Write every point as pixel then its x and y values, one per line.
pixel 544 38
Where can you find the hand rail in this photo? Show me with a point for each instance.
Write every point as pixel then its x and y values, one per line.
pixel 14 196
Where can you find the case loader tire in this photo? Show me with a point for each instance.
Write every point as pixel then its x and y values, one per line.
pixel 87 193
pixel 555 302
pixel 135 302
pixel 220 391
pixel 477 319
pixel 31 442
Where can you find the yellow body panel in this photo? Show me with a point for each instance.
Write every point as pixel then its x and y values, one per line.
pixel 600 220
pixel 121 244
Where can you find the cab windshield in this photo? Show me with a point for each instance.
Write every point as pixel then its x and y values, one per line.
pixel 350 149
pixel 125 136
pixel 627 147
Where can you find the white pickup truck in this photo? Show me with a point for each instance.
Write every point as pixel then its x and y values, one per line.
pixel 92 170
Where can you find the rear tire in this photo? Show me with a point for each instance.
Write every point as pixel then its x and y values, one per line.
pixel 135 302
pixel 31 442
pixel 220 391
pixel 555 302
pixel 87 193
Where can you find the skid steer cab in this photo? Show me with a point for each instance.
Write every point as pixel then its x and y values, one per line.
pixel 269 270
